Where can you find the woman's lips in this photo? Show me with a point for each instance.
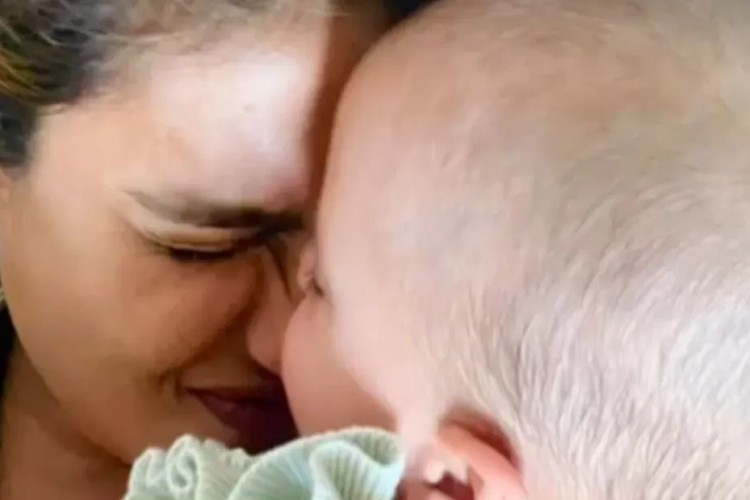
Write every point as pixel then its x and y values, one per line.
pixel 260 416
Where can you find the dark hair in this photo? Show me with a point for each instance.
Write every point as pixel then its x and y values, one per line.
pixel 405 8
pixel 48 49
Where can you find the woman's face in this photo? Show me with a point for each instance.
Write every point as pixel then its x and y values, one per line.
pixel 148 253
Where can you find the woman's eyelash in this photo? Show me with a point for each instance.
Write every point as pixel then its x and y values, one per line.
pixel 275 244
pixel 191 255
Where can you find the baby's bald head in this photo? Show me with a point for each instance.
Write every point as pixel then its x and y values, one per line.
pixel 535 216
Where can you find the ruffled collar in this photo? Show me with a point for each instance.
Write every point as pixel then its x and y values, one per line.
pixel 356 464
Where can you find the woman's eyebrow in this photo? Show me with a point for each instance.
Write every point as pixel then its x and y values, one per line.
pixel 209 214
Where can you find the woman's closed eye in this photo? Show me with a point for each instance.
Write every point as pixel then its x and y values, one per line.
pixel 188 253
pixel 189 250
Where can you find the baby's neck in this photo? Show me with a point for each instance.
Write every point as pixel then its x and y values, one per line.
pixel 41 455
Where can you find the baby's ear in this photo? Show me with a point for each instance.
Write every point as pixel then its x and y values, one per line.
pixel 468 467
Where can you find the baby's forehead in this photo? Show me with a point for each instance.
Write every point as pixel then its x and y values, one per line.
pixel 381 135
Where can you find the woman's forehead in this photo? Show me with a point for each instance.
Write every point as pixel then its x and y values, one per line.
pixel 247 114
pixel 237 124
pixel 239 129
pixel 236 129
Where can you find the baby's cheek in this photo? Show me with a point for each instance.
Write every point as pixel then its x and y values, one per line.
pixel 298 363
pixel 322 393
pixel 389 366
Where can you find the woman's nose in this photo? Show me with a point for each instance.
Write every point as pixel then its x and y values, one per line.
pixel 264 335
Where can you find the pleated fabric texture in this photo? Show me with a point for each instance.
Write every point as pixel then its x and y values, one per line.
pixel 355 464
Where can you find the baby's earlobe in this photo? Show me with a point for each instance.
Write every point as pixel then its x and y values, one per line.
pixel 464 458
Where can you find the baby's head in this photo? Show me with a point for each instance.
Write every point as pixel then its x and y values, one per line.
pixel 534 228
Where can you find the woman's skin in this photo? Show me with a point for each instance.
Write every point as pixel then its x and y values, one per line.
pixel 147 253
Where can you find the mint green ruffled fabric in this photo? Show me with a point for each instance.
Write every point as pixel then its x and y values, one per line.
pixel 356 464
